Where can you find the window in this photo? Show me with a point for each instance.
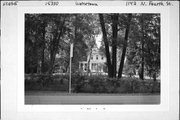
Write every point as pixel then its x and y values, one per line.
pixel 81 65
pixel 92 66
pixel 102 57
pixel 85 68
pixel 96 57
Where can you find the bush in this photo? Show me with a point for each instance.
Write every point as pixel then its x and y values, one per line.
pixel 91 84
pixel 46 82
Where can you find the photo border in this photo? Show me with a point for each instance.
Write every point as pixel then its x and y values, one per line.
pixel 164 92
pixel 13 109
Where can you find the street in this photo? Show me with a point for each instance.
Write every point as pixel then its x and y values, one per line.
pixel 85 98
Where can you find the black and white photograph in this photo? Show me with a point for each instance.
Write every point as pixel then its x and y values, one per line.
pixel 89 60
pixel 92 58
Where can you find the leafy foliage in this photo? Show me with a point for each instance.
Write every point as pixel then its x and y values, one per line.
pixel 48 37
pixel 149 38
pixel 94 84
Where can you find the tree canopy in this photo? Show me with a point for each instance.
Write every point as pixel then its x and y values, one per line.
pixel 48 37
pixel 130 42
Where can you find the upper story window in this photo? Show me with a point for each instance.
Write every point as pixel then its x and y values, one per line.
pixel 96 57
pixel 102 57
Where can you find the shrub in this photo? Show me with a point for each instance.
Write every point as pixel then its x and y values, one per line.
pixel 91 84
pixel 44 80
pixel 78 82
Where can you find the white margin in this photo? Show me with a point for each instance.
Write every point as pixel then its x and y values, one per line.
pixel 164 104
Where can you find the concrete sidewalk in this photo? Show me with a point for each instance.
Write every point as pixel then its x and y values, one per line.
pixel 86 98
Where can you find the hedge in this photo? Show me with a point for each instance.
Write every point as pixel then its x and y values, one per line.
pixel 91 84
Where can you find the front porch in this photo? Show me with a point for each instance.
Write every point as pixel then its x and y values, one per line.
pixel 94 67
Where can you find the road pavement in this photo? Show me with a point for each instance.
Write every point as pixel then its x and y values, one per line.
pixel 85 98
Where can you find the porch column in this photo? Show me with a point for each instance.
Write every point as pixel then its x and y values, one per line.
pixel 79 65
pixel 83 66
pixel 90 66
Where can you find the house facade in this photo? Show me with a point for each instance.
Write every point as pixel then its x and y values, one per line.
pixel 95 63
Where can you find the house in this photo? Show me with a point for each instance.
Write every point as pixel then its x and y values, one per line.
pixel 96 62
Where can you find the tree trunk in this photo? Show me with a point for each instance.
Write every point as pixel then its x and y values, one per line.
pixel 42 60
pixel 43 49
pixel 88 67
pixel 52 59
pixel 55 45
pixel 154 76
pixel 114 42
pixel 142 49
pixel 142 68
pixel 124 47
pixel 101 18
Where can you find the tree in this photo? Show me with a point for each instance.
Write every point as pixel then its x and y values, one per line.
pixel 114 18
pixel 48 37
pixel 34 37
pixel 91 45
pixel 141 69
pixel 144 44
pixel 152 45
pixel 124 46
pixel 101 18
pixel 135 40
pixel 85 28
pixel 57 36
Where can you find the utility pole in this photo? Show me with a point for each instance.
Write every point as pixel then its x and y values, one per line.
pixel 70 65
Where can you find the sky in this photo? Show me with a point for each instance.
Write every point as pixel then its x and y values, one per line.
pixel 98 40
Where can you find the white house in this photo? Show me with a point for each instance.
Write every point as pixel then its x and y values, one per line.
pixel 95 60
